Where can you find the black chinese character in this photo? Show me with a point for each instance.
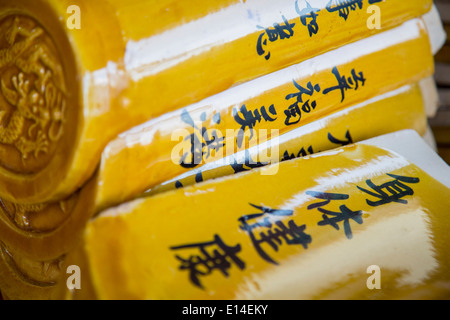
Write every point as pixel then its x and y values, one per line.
pixel 219 258
pixel 333 218
pixel 345 84
pixel 341 142
pixel 273 34
pixel 294 110
pixel 247 164
pixel 308 13
pixel 250 118
pixel 344 7
pixel 301 153
pixel 201 142
pixel 178 184
pixel 392 191
pixel 276 232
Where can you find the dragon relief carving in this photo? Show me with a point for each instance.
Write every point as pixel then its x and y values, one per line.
pixel 29 217
pixel 22 215
pixel 36 273
pixel 36 113
pixel 18 213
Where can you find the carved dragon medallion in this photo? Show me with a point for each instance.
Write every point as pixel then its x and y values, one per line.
pixel 32 95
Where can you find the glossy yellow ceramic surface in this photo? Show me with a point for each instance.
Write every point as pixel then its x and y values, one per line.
pixel 35 240
pixel 312 231
pixel 303 68
pixel 75 73
pixel 281 101
pixel 145 158
pixel 397 110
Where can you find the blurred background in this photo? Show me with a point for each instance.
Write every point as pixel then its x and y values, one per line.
pixel 440 124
